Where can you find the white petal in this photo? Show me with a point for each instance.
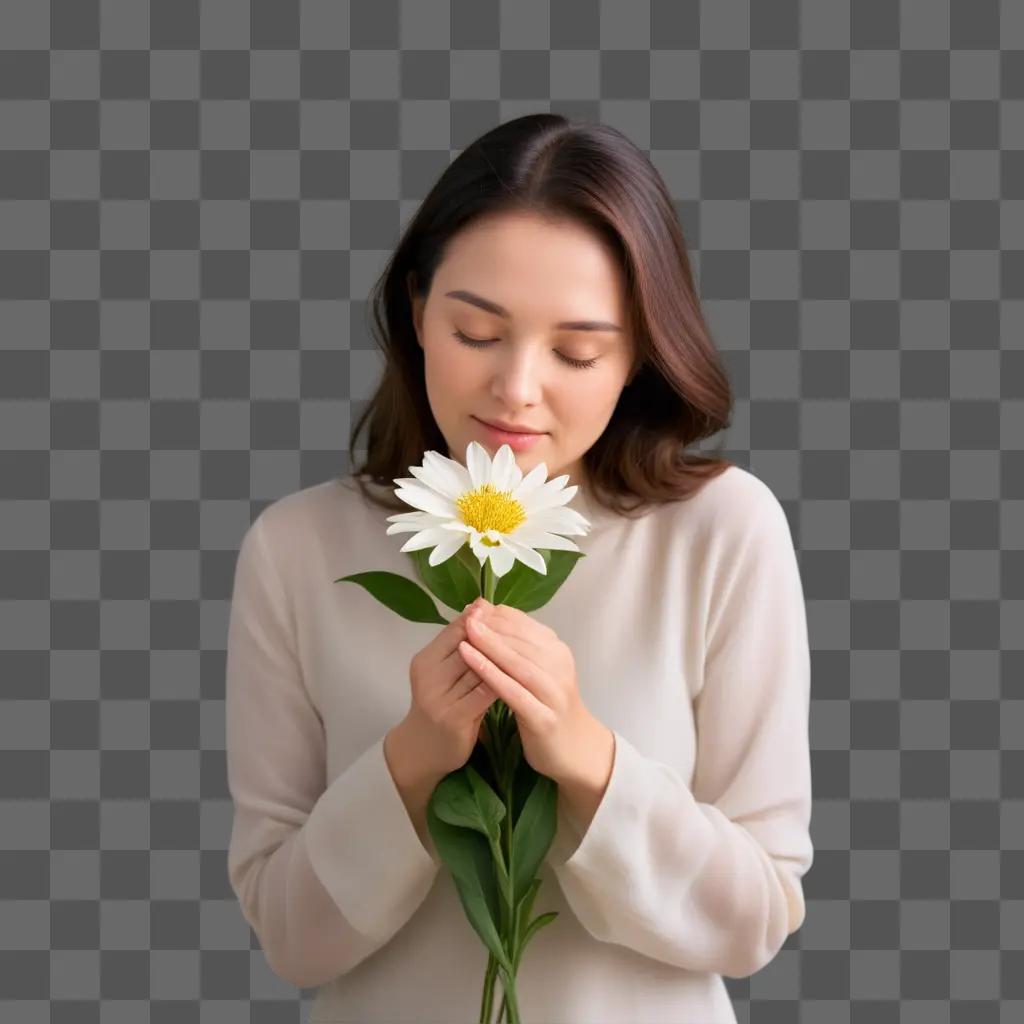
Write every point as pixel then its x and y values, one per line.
pixel 445 550
pixel 457 525
pixel 504 470
pixel 447 476
pixel 547 541
pixel 478 463
pixel 526 554
pixel 428 478
pixel 407 528
pixel 551 494
pixel 479 548
pixel 414 517
pixel 425 539
pixel 406 521
pixel 564 520
pixel 447 464
pixel 422 497
pixel 403 517
pixel 502 559
pixel 555 520
pixel 531 482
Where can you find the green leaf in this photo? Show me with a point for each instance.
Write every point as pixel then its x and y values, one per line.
pixel 523 935
pixel 453 582
pixel 526 589
pixel 467 855
pixel 464 799
pixel 523 908
pixel 401 595
pixel 511 756
pixel 535 926
pixel 534 832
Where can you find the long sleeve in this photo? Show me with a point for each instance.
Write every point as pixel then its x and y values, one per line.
pixel 324 874
pixel 709 879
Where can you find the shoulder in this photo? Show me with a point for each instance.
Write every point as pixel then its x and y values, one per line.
pixel 736 504
pixel 749 558
pixel 737 528
pixel 296 518
pixel 735 485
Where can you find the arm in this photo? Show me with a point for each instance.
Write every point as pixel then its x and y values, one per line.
pixel 580 797
pixel 414 787
pixel 708 878
pixel 324 875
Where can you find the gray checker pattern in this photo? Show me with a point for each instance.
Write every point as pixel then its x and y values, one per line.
pixel 194 201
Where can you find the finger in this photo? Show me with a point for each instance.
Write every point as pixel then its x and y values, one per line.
pixel 455 666
pixel 525 667
pixel 474 704
pixel 520 700
pixel 465 682
pixel 525 648
pixel 530 638
pixel 516 621
pixel 447 639
pixel 453 663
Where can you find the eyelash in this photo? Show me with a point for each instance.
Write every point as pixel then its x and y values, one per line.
pixel 580 364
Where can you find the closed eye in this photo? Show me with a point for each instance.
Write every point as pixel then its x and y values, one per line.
pixel 580 364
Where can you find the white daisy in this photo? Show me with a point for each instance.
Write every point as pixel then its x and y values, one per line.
pixel 491 505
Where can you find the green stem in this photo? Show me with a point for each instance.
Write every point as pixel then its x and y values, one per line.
pixel 488 582
pixel 509 1006
pixel 509 1010
pixel 502 873
pixel 508 983
pixel 487 1005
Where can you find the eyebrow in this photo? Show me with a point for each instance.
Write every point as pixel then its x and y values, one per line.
pixel 569 325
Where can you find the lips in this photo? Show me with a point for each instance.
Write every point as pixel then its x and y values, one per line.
pixel 508 430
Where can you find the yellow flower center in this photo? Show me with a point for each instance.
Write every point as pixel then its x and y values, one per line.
pixel 487 509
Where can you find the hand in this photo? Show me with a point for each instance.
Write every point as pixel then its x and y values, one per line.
pixel 534 673
pixel 449 702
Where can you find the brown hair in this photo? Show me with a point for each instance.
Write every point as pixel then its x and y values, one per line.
pixel 589 172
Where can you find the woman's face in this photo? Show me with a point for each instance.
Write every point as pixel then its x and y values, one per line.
pixel 536 274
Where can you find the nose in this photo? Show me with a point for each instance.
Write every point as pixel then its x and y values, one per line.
pixel 517 381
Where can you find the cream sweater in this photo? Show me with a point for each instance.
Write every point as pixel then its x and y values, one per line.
pixel 689 632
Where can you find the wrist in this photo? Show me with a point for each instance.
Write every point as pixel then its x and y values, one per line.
pixel 406 760
pixel 414 787
pixel 581 794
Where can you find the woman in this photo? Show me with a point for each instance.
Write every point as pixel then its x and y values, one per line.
pixel 683 833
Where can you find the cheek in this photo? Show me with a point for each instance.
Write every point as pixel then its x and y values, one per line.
pixel 446 365
pixel 586 400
